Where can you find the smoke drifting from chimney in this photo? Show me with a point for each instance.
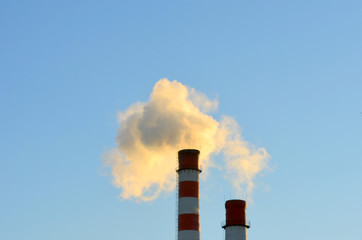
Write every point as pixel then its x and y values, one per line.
pixel 175 117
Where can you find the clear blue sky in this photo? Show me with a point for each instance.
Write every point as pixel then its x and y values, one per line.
pixel 290 73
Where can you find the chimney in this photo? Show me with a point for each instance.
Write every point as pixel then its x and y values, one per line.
pixel 235 225
pixel 188 195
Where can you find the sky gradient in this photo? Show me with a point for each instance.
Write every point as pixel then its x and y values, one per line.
pixel 289 72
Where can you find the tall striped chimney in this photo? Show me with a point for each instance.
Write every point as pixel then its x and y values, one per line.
pixel 235 225
pixel 188 195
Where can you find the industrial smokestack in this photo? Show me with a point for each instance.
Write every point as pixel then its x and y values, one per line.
pixel 188 195
pixel 235 225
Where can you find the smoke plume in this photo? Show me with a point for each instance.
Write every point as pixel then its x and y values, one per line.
pixel 175 117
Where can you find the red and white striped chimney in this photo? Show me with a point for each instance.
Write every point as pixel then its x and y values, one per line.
pixel 235 225
pixel 188 195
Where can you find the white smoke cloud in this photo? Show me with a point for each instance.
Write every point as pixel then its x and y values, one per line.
pixel 150 134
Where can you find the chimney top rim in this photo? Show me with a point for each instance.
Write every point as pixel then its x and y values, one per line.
pixel 189 151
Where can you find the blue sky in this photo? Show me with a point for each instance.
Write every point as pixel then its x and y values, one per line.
pixel 289 72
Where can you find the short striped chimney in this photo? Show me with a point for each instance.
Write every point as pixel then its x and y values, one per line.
pixel 188 195
pixel 235 225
